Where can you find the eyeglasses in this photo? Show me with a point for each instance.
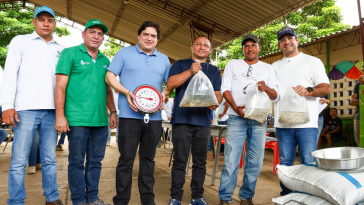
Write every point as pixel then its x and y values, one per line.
pixel 250 69
pixel 289 38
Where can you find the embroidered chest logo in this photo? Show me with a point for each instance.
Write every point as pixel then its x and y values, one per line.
pixel 84 63
pixel 105 66
pixel 58 53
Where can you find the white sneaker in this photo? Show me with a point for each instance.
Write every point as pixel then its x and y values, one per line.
pixel 31 170
pixel 108 143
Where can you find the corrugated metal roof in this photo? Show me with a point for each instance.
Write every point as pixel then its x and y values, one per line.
pixel 228 18
pixel 316 40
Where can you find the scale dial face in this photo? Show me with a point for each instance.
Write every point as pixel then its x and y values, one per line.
pixel 147 99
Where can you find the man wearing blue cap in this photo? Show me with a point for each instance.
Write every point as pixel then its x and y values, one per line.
pixel 27 99
pixel 81 111
pixel 306 74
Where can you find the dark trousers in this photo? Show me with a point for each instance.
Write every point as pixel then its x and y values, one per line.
pixel 183 137
pixel 134 132
pixel 83 178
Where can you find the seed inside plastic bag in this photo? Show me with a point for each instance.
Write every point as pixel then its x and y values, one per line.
pixel 259 115
pixel 293 117
pixel 198 100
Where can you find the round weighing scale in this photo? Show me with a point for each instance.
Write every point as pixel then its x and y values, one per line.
pixel 148 100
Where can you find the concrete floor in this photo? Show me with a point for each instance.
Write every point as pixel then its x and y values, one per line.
pixel 266 189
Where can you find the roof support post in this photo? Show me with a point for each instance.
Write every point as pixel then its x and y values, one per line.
pixel 117 18
pixel 361 96
pixel 69 9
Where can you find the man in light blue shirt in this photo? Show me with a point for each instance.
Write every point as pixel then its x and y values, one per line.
pixel 138 65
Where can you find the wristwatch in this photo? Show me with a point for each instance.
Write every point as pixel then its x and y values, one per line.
pixel 113 112
pixel 310 91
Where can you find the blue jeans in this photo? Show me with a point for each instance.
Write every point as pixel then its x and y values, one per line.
pixel 238 130
pixel 30 121
pixel 61 140
pixel 3 134
pixel 288 139
pixel 320 126
pixel 89 142
pixel 34 156
pixel 223 122
pixel 117 132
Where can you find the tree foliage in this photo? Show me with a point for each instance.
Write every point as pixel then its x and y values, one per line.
pixel 112 47
pixel 316 20
pixel 18 21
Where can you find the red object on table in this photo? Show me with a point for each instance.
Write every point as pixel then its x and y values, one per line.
pixel 270 145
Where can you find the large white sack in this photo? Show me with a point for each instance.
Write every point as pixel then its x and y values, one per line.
pixel 301 199
pixel 337 188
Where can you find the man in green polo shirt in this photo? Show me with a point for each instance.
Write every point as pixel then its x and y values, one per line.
pixel 81 98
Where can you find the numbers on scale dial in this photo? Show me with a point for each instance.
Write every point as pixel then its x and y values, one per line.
pixel 147 98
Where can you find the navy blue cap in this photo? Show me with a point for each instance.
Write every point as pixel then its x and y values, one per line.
pixel 284 31
pixel 44 9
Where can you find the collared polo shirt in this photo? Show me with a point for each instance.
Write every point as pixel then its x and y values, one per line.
pixel 199 116
pixel 136 68
pixel 29 80
pixel 86 93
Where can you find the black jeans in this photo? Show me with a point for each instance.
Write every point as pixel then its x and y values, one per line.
pixel 183 136
pixel 134 132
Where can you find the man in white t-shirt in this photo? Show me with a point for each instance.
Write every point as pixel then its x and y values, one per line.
pixel 239 76
pixel 306 74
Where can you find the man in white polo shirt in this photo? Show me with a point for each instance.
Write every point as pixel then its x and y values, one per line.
pixel 27 94
pixel 307 75
pixel 239 76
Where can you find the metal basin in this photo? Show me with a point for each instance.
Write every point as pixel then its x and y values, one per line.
pixel 339 158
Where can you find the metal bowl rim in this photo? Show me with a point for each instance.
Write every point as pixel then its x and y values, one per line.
pixel 343 159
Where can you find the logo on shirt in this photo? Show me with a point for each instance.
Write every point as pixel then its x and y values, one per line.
pixel 58 53
pixel 105 66
pixel 84 63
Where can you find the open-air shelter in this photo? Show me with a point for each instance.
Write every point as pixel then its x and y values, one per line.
pixel 183 20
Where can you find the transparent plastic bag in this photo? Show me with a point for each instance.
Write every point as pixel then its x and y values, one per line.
pixel 199 92
pixel 293 108
pixel 257 105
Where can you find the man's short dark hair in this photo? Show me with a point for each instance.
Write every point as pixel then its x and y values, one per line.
pixel 150 24
pixel 334 109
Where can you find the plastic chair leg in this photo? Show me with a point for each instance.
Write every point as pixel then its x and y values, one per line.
pixel 276 157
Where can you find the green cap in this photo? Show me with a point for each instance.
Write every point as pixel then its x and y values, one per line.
pixel 96 22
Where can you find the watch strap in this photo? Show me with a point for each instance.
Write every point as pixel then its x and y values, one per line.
pixel 113 112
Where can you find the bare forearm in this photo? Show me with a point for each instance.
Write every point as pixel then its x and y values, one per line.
pixel 226 108
pixel 177 80
pixel 167 91
pixel 335 130
pixel 218 96
pixel 272 94
pixel 354 102
pixel 229 98
pixel 59 97
pixel 110 99
pixel 113 82
pixel 321 90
